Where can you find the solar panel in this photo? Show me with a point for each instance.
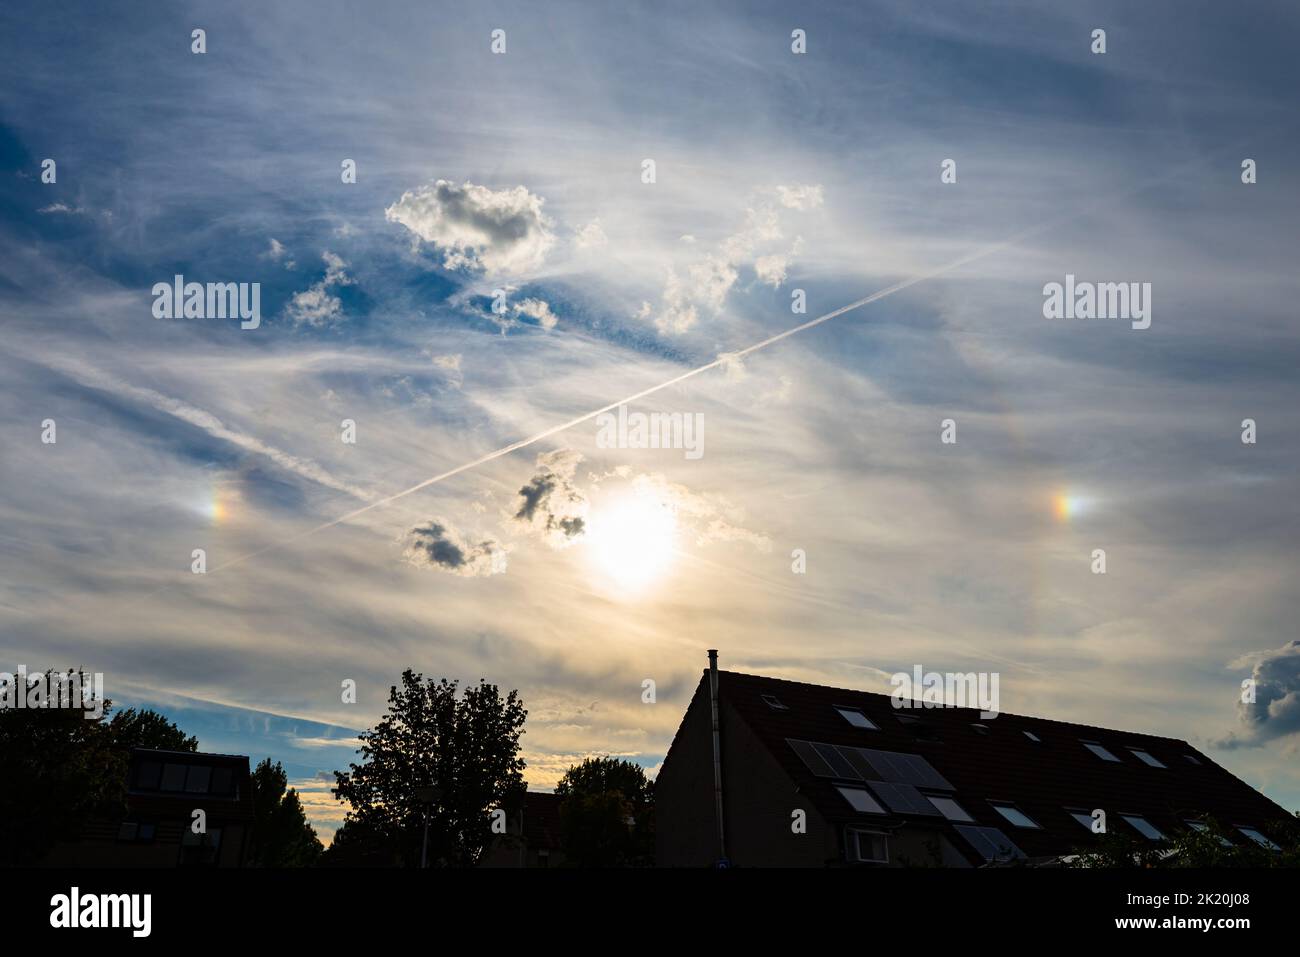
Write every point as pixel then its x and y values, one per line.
pixel 989 842
pixel 836 760
pixel 906 769
pixel 903 798
pixel 855 757
pixel 866 764
pixel 815 762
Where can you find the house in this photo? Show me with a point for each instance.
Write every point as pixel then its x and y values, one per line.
pixel 532 837
pixel 799 775
pixel 164 789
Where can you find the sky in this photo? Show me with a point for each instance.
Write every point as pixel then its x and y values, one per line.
pixel 505 263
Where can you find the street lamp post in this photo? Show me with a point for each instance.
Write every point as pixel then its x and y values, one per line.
pixel 426 795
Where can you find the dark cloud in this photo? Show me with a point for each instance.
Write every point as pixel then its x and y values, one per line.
pixel 552 505
pixel 1275 710
pixel 435 545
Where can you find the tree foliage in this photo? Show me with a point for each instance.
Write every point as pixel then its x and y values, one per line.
pixel 1215 846
pixel 149 729
pixel 465 747
pixel 281 836
pixel 60 768
pixel 606 814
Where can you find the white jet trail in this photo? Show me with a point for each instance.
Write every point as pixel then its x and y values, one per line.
pixel 564 426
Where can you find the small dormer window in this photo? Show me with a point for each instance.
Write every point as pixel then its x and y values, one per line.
pixel 1146 758
pixel 773 702
pixel 918 727
pixel 856 718
pixel 1100 751
pixel 1033 737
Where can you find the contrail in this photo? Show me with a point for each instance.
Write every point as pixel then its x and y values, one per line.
pixel 675 380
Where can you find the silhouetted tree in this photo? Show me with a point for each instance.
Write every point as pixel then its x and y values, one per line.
pixel 61 767
pixel 466 748
pixel 281 837
pixel 607 814
pixel 149 729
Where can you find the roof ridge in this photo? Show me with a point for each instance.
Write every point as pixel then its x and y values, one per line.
pixel 949 709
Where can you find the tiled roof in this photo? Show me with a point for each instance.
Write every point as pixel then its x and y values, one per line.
pixel 542 820
pixel 1002 763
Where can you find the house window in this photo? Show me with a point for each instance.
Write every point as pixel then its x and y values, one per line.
pixel 860 799
pixel 1192 759
pixel 1013 814
pixel 1098 750
pixel 1258 838
pixel 856 718
pixel 1144 827
pixel 201 850
pixel 869 847
pixel 135 832
pixel 199 777
pixel 1083 817
pixel 773 702
pixel 980 728
pixel 990 843
pixel 1146 758
pixel 1033 737
pixel 173 777
pixel 949 808
pixel 543 858
pixel 222 781
pixel 921 729
pixel 1204 828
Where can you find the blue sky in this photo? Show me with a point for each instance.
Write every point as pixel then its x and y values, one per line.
pixel 774 172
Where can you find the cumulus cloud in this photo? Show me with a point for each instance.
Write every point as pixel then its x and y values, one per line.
pixel 538 310
pixel 801 197
pixel 496 231
pixel 1275 712
pixel 551 505
pixel 709 280
pixel 316 305
pixel 436 545
pixel 590 236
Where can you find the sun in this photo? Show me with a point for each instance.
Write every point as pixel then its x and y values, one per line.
pixel 632 539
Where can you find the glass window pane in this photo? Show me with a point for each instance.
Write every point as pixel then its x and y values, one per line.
pixel 1146 758
pixel 1098 750
pixel 222 780
pixel 950 808
pixel 197 783
pixel 857 719
pixel 1144 827
pixel 1013 814
pixel 860 800
pixel 173 778
pixel 1258 838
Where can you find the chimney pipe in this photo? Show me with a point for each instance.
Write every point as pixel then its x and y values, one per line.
pixel 717 754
